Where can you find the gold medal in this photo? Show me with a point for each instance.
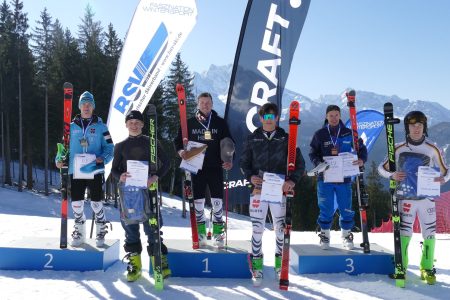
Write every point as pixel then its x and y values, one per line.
pixel 334 151
pixel 208 135
pixel 84 142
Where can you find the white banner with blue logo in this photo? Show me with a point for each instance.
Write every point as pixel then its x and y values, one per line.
pixel 156 33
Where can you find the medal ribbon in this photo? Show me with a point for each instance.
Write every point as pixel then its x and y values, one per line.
pixel 331 137
pixel 84 131
pixel 209 121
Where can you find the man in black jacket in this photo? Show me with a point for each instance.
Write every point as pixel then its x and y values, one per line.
pixel 208 128
pixel 265 151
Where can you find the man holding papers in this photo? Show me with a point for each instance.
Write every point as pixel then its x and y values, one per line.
pixel 420 172
pixel 206 128
pixel 333 144
pixel 263 163
pixel 91 147
pixel 131 167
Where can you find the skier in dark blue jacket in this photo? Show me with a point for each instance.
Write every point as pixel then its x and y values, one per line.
pixel 334 138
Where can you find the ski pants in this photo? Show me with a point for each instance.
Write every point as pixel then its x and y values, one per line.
pixel 425 210
pixel 78 188
pixel 217 210
pixel 326 193
pixel 133 237
pixel 213 177
pixel 258 212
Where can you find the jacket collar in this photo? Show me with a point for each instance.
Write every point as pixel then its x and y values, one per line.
pixel 77 119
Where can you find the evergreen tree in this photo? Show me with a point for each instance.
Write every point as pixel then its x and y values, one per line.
pixel 24 73
pixel 112 50
pixel 42 49
pixel 379 198
pixel 91 39
pixel 65 65
pixel 304 206
pixel 178 73
pixel 6 65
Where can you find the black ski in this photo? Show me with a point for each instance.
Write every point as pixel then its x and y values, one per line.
pixel 363 197
pixel 155 243
pixel 63 155
pixel 389 122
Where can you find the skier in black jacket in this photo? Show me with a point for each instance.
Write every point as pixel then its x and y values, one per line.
pixel 266 150
pixel 136 147
pixel 208 128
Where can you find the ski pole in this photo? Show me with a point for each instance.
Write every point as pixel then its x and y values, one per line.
pixel 269 216
pixel 226 209
pixel 92 224
pixel 208 236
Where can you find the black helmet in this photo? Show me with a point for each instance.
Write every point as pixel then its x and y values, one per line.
pixel 414 117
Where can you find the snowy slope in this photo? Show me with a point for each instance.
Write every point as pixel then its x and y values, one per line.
pixel 29 214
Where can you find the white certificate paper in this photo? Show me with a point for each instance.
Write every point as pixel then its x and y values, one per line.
pixel 335 172
pixel 80 161
pixel 272 187
pixel 426 186
pixel 196 162
pixel 348 168
pixel 138 173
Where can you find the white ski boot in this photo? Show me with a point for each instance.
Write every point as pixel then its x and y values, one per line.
pixel 101 231
pixel 324 239
pixel 347 239
pixel 78 234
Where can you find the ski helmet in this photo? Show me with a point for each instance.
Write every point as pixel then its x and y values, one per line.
pixel 86 97
pixel 414 117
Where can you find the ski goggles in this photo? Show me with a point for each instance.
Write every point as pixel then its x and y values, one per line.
pixel 269 117
pixel 416 119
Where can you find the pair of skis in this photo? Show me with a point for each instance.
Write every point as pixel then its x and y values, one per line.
pixel 188 193
pixel 389 122
pixel 294 121
pixel 363 197
pixel 155 219
pixel 63 156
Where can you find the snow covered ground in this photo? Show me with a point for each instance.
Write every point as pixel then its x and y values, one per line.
pixel 30 214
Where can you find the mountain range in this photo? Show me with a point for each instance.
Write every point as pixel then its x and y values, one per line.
pixel 217 78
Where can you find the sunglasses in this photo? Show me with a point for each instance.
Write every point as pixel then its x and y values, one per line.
pixel 269 117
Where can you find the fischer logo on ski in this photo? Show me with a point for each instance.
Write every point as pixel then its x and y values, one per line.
pixel 154 221
pixel 389 121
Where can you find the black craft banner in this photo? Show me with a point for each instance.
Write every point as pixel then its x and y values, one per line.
pixel 268 39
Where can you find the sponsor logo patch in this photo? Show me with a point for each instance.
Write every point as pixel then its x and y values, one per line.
pixel 406 207
pixel 255 203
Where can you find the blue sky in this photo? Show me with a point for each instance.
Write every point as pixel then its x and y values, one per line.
pixel 389 47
